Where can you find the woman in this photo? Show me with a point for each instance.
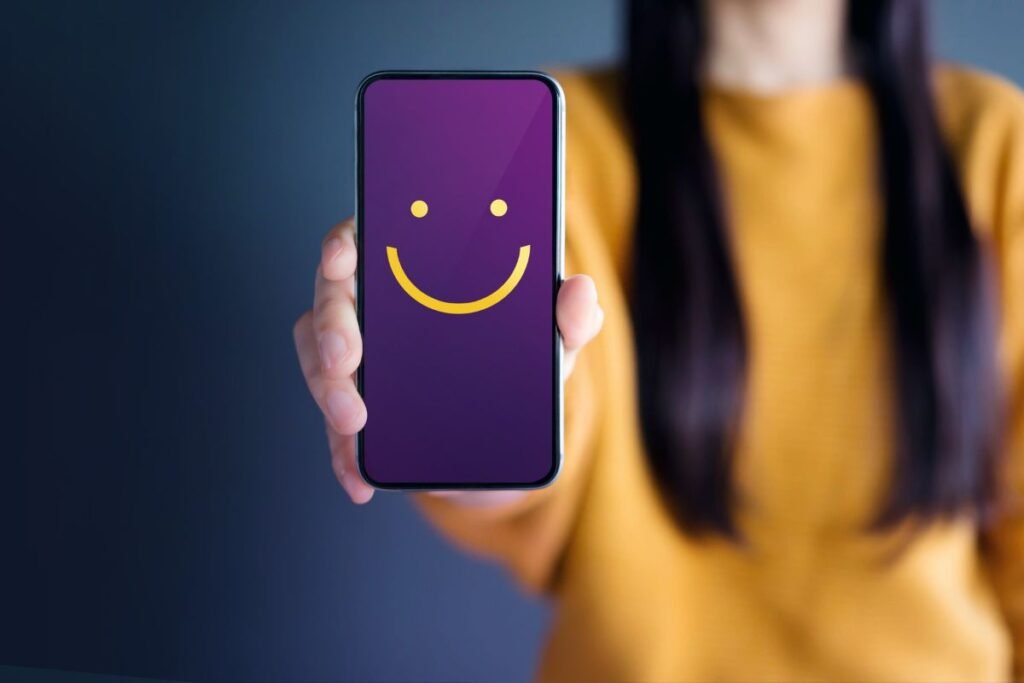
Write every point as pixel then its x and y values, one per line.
pixel 789 453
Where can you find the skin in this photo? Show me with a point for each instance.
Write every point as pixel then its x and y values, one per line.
pixel 330 347
pixel 755 45
pixel 769 46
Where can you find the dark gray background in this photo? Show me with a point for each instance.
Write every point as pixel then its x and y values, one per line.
pixel 166 501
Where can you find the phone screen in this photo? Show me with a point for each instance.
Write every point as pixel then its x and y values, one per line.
pixel 459 236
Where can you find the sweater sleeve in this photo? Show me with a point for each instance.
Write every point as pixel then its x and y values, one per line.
pixel 529 535
pixel 1005 540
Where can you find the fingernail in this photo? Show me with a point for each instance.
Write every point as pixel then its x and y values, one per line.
pixel 599 318
pixel 332 249
pixel 356 488
pixel 333 349
pixel 339 407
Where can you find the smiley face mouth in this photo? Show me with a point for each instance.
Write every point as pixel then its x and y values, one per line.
pixel 462 307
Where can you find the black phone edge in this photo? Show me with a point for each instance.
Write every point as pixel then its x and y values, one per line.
pixel 558 448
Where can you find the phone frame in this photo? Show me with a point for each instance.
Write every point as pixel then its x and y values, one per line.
pixel 558 99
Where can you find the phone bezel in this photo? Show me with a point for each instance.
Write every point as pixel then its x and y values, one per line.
pixel 558 99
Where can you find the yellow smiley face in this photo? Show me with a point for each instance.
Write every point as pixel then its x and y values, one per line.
pixel 420 209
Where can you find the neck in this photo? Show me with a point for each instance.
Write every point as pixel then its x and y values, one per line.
pixel 774 45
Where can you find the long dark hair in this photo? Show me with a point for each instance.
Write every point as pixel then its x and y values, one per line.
pixel 691 339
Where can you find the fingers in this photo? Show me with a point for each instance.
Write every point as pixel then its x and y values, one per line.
pixel 579 317
pixel 338 253
pixel 343 409
pixel 339 343
pixel 329 346
pixel 343 462
pixel 337 398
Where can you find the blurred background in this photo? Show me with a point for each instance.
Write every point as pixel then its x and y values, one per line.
pixel 167 508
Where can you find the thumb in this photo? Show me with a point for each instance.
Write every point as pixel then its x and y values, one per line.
pixel 577 311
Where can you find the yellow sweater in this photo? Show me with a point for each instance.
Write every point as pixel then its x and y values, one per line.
pixel 814 596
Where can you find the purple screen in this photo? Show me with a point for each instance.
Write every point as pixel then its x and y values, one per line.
pixel 458 230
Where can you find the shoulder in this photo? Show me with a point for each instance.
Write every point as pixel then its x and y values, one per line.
pixel 983 118
pixel 978 108
pixel 597 147
pixel 968 91
pixel 591 91
pixel 595 121
pixel 600 178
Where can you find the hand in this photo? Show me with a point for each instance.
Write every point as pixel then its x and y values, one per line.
pixel 330 349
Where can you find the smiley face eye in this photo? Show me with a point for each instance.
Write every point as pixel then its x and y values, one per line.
pixel 499 208
pixel 419 208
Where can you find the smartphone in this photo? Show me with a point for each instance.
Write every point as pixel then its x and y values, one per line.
pixel 459 216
